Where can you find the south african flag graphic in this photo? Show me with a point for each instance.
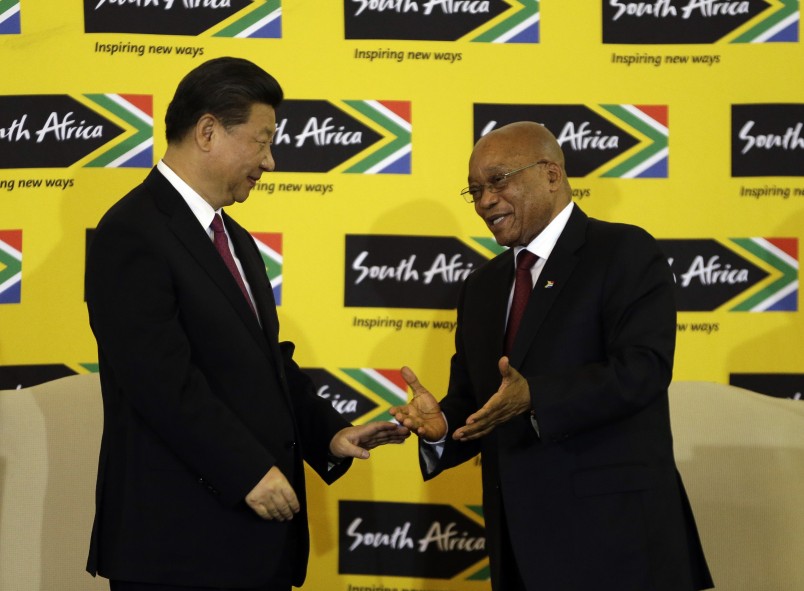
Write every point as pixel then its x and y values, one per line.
pixel 135 147
pixel 10 266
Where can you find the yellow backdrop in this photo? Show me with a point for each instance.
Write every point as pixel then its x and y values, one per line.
pixel 46 211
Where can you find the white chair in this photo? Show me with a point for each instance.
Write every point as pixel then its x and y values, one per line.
pixel 741 455
pixel 49 442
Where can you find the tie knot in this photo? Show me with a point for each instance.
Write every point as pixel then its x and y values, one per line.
pixel 525 260
pixel 217 224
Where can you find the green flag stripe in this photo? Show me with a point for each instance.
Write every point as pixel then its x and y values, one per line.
pixel 476 509
pixel 484 574
pixel 377 388
pixel 273 268
pixel 249 19
pixel 489 244
pixel 402 136
pixel 529 8
pixel 7 5
pixel 142 133
pixel 789 274
pixel 766 255
pixel 659 141
pixel 12 266
pixel 789 7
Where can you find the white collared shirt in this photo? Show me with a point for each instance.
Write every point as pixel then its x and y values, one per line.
pixel 542 246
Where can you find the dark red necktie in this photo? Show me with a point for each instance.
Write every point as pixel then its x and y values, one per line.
pixel 222 245
pixel 523 285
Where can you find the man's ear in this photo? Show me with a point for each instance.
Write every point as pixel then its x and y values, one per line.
pixel 555 174
pixel 205 130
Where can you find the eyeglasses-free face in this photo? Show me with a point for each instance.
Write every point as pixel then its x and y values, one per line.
pixel 497 183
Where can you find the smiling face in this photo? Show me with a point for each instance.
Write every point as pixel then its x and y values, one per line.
pixel 239 155
pixel 528 200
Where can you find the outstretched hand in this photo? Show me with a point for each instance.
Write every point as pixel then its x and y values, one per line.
pixel 510 400
pixel 355 441
pixel 421 415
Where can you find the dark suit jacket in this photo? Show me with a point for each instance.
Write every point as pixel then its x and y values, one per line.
pixel 594 501
pixel 199 403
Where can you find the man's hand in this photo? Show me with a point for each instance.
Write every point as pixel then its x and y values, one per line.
pixel 273 497
pixel 512 399
pixel 354 442
pixel 421 415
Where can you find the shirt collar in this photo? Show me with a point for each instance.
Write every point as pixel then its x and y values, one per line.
pixel 202 210
pixel 544 243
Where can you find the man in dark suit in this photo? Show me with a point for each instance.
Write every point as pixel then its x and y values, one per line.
pixel 570 410
pixel 207 418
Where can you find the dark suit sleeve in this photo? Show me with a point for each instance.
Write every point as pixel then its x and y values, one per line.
pixel 318 422
pixel 316 419
pixel 635 329
pixel 458 404
pixel 147 359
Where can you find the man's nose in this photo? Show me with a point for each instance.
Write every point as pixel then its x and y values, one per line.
pixel 487 198
pixel 268 163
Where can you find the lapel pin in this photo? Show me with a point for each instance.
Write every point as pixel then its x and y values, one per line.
pixel 549 284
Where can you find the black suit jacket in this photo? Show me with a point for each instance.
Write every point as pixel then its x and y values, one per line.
pixel 200 401
pixel 594 500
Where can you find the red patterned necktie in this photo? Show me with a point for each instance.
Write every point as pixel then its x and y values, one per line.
pixel 523 285
pixel 222 245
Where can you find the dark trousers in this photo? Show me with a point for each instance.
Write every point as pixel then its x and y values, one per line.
pixel 509 569
pixel 280 580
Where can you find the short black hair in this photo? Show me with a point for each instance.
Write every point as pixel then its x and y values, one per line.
pixel 226 87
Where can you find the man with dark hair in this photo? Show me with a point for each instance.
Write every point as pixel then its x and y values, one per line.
pixel 207 418
pixel 560 376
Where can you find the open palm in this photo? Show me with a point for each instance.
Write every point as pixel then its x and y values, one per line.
pixel 422 415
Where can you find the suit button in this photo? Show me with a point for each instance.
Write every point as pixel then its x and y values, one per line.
pixel 208 486
pixel 290 445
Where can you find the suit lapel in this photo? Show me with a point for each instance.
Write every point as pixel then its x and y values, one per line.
pixel 189 232
pixel 256 275
pixel 492 306
pixel 261 290
pixel 554 276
